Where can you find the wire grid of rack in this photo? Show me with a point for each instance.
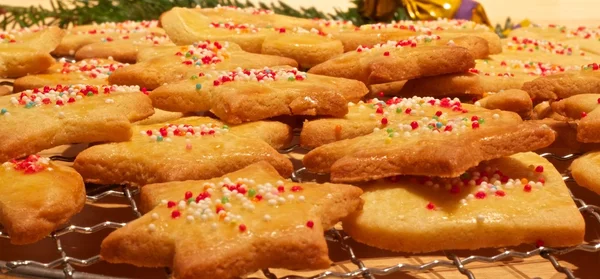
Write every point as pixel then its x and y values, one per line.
pixel 63 267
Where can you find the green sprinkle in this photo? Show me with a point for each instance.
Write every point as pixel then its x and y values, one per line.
pixel 251 193
pixel 480 120
pixel 159 138
pixel 90 94
pixel 435 117
pixel 427 40
pixel 224 200
pixel 291 78
pixel 193 77
pixel 389 130
pixel 198 86
pixel 190 200
pixel 225 127
pixel 398 110
pixel 187 54
pixel 3 111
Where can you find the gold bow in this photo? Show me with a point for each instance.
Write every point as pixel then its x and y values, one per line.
pixel 420 9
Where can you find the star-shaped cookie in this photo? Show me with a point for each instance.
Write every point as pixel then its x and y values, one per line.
pixel 583 36
pixel 499 203
pixel 308 47
pixel 27 51
pixel 585 170
pixel 398 60
pixel 34 120
pixel 80 36
pixel 125 49
pixel 87 71
pixel 564 85
pixel 185 149
pixel 230 226
pixel 584 108
pixel 369 35
pixel 416 136
pixel 249 95
pixel 36 197
pixel 169 64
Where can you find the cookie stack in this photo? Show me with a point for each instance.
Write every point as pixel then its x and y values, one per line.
pixel 427 129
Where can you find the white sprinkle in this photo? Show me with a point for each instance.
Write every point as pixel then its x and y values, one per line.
pixel 61 115
pixel 301 198
pixel 267 217
pixel 272 202
pixel 213 226
pixel 164 201
pixel 477 104
pixel 152 227
pixel 290 197
pixel 190 218
pixel 155 216
pixel 496 116
pixel 181 205
pixel 109 101
pixel 329 196
pixel 480 218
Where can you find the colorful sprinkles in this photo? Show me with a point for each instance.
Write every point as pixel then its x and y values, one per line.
pixel 92 68
pixel 203 53
pixel 221 203
pixel 30 165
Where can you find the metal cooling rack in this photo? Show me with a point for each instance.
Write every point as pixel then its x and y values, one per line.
pixel 67 263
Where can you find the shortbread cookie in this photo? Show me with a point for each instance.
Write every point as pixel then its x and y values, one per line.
pixel 514 100
pixel 583 107
pixel 34 120
pixel 436 143
pixel 565 85
pixel 125 49
pixel 27 51
pixel 37 197
pixel 543 110
pixel 227 227
pixel 307 48
pixel 369 35
pixel 80 36
pixel 395 61
pixel 582 36
pixel 88 71
pixel 249 95
pixel 566 138
pixel 497 204
pixel 161 116
pixel 184 61
pixel 373 115
pixel 185 149
pixel 585 170
pixel 546 51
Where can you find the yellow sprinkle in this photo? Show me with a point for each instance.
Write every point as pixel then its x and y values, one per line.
pixel 388 140
pixel 524 181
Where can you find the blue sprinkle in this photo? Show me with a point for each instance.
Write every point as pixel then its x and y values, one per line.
pixel 198 86
pixel 438 125
pixel 159 138
pixel 3 111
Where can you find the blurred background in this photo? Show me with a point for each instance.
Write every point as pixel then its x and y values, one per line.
pixel 567 12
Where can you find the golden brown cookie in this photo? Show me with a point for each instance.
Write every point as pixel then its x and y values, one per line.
pixel 249 95
pixel 27 51
pixel 308 48
pixel 37 197
pixel 514 100
pixel 88 71
pixel 184 149
pixel 396 61
pixel 585 108
pixel 230 226
pixel 435 144
pixel 125 49
pixel 585 170
pixel 54 116
pixel 496 204
pixel 171 64
pixel 564 85
pixel 584 37
pixel 80 36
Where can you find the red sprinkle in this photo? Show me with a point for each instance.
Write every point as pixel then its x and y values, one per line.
pixel 387 53
pixel 542 180
pixel 384 121
pixel 438 113
pixel 430 206
pixel 175 214
pixel 242 228
pixel 280 189
pixel 500 193
pixel 188 195
pixel 414 125
pixel 583 114
pixel 475 125
pixel 527 188
pixel 296 188
pixel 539 169
pixel 480 195
pixel 171 204
pixel 310 224
pixel 407 111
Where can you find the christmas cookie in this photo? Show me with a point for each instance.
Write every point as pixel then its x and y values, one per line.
pixel 80 36
pixel 585 170
pixel 185 149
pixel 435 143
pixel 37 197
pixel 34 120
pixel 585 108
pixel 496 204
pixel 175 63
pixel 514 100
pixel 564 85
pixel 88 71
pixel 27 51
pixel 249 95
pixel 230 226
pixel 395 61
pixel 125 49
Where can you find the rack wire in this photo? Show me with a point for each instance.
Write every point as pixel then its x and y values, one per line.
pixel 64 266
